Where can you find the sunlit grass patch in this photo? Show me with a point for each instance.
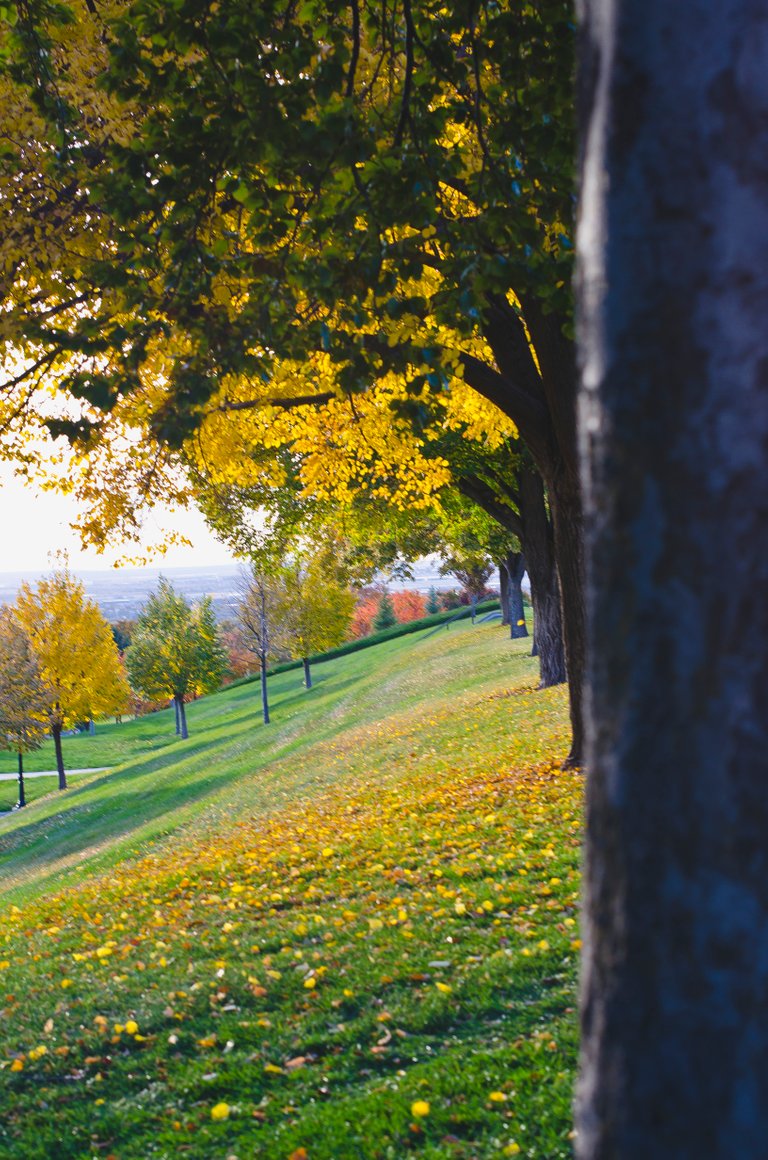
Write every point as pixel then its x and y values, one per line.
pixel 301 972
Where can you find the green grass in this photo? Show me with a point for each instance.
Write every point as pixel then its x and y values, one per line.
pixel 367 905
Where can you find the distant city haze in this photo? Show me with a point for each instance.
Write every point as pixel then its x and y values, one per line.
pixel 35 525
pixel 121 592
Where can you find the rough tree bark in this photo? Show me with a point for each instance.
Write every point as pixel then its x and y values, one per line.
pixel 513 567
pixel 541 400
pixel 673 291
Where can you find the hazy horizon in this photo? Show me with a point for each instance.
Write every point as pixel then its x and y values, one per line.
pixel 35 525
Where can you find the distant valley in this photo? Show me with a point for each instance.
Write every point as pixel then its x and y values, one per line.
pixel 121 592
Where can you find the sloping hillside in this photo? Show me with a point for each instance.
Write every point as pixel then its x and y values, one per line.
pixel 350 934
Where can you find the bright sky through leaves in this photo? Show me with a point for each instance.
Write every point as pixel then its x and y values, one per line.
pixel 35 524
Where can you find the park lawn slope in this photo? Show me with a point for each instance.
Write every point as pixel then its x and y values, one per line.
pixel 365 947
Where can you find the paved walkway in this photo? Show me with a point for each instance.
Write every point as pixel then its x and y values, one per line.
pixel 52 773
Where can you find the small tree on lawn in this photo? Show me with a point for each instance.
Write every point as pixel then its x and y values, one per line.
pixel 385 617
pixel 24 698
pixel 313 607
pixel 256 613
pixel 433 604
pixel 76 654
pixel 175 651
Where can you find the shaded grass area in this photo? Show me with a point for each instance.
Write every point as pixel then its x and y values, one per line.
pixel 349 935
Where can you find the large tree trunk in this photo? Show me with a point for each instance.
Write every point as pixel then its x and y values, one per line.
pixel 532 526
pixel 540 396
pixel 673 289
pixel 513 567
pixel 56 734
pixel 539 548
pixel 565 499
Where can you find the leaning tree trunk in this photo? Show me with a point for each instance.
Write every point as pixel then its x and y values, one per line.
pixel 22 795
pixel 673 289
pixel 56 734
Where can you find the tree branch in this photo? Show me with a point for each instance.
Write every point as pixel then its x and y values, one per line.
pixel 287 404
pixel 528 413
pixel 355 54
pixel 408 82
pixel 484 496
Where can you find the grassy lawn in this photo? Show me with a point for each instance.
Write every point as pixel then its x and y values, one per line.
pixel 350 934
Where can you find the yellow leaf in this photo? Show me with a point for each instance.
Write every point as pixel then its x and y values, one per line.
pixel 220 1111
pixel 420 1108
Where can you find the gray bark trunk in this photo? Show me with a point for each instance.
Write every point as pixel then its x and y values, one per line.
pixel 513 567
pixel 539 549
pixel 56 734
pixel 22 794
pixel 673 293
pixel 183 730
pixel 264 693
pixel 504 592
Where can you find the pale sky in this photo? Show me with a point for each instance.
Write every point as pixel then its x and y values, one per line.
pixel 35 524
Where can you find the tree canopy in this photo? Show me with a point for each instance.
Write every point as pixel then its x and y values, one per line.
pixel 175 651
pixel 75 652
pixel 284 206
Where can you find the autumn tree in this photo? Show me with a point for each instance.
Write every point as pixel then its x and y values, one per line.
pixel 262 214
pixel 241 658
pixel 408 605
pixel 175 651
pixel 24 698
pixel 432 604
pixel 256 615
pixel 313 606
pixel 75 652
pixel 673 284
